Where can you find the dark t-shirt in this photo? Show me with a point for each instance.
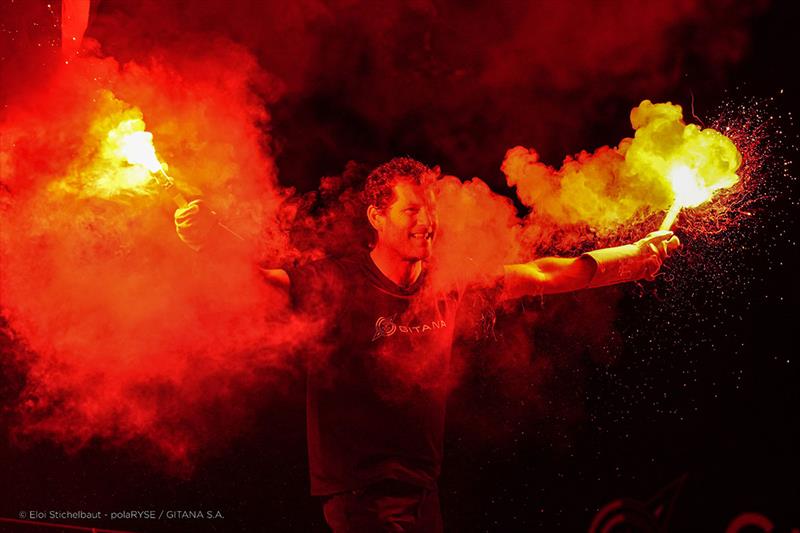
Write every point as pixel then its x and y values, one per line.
pixel 377 386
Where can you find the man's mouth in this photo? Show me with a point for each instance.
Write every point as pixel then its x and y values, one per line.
pixel 422 235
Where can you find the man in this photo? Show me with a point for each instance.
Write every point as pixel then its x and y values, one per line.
pixel 376 398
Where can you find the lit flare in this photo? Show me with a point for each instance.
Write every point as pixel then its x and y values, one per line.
pixel 134 144
pixel 694 163
pixel 130 142
pixel 691 191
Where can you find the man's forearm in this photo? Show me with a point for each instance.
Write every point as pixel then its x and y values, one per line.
pixel 548 275
pixel 598 268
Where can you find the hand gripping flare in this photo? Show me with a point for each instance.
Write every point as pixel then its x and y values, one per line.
pixel 194 224
pixel 631 262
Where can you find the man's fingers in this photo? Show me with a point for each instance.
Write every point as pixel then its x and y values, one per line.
pixel 652 268
pixel 670 246
pixel 660 234
pixel 182 213
pixel 183 224
pixel 662 243
pixel 185 220
pixel 196 213
pixel 659 251
pixel 656 247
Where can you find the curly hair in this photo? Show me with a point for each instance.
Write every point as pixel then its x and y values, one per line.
pixel 378 190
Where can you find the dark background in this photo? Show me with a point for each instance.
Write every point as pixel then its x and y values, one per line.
pixel 697 378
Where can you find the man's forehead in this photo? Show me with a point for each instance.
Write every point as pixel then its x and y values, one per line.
pixel 409 191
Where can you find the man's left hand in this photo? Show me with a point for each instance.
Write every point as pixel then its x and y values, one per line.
pixel 658 245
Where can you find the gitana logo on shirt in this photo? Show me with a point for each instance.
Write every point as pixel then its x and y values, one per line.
pixel 386 327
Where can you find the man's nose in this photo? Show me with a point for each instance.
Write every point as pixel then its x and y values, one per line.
pixel 425 217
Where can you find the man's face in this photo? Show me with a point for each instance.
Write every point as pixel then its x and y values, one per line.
pixel 408 225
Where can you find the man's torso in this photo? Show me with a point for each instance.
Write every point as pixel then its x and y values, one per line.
pixel 377 386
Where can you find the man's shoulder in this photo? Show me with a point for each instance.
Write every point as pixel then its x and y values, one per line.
pixel 326 279
pixel 327 266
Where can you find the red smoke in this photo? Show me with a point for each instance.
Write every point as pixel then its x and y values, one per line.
pixel 135 336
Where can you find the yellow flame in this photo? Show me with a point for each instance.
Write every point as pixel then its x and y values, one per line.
pixel 665 166
pixel 686 184
pixel 118 158
pixel 130 141
pixel 693 163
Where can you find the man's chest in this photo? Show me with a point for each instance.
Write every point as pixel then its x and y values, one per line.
pixel 377 319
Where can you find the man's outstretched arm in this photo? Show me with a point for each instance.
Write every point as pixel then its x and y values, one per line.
pixel 607 266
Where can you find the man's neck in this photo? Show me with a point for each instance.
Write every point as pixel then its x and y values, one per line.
pixel 402 272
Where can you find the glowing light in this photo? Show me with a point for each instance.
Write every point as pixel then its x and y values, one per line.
pixel 690 191
pixel 119 160
pixel 129 150
pixel 685 183
pixel 693 163
pixel 135 145
pixel 666 166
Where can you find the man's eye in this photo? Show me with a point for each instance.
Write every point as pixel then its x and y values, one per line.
pixel 411 210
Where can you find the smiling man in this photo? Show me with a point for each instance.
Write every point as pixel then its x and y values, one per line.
pixel 376 398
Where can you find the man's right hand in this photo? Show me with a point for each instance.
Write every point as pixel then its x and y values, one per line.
pixel 195 223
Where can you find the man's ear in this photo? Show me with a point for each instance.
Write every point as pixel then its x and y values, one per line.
pixel 376 217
